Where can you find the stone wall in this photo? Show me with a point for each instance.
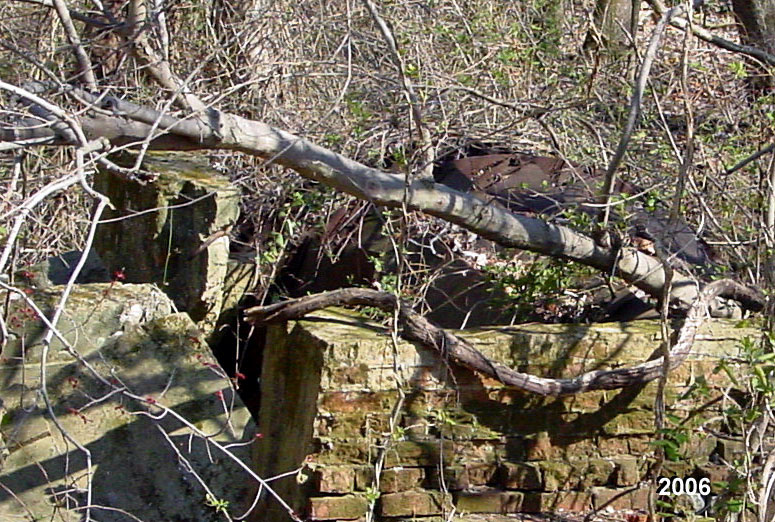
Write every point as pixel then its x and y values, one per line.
pixel 341 400
pixel 172 232
pixel 143 461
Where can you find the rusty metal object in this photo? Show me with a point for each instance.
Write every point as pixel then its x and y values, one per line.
pixel 548 186
pixel 461 293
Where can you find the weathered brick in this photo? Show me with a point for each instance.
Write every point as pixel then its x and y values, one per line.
pixel 423 519
pixel 348 425
pixel 546 446
pixel 394 480
pixel 482 473
pixel 417 427
pixel 364 477
pixel 540 447
pixel 555 474
pixel 627 472
pixel 617 446
pixel 348 507
pixel 349 452
pixel 636 446
pixel 595 472
pixel 699 446
pixel 419 453
pixel 335 479
pixel 475 451
pixel 622 498
pixel 730 450
pixel 515 449
pixel 417 502
pixel 353 401
pixel 454 478
pixel 489 501
pixel 576 474
pixel 635 422
pixel 464 476
pixel 677 469
pixel 573 501
pixel 716 472
pixel 520 476
pixel 349 374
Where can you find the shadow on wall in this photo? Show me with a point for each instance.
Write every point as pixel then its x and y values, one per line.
pixel 127 333
pixel 450 437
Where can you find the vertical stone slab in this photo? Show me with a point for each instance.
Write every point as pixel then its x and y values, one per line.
pixel 159 231
pixel 290 386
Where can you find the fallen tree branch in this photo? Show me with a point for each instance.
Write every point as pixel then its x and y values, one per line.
pixel 416 328
pixel 123 123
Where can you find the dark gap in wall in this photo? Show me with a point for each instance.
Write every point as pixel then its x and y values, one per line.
pixel 238 348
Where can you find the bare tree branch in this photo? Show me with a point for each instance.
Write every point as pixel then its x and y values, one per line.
pixel 136 31
pixel 84 63
pixel 632 119
pixel 426 147
pixel 232 132
pixel 73 13
pixel 153 59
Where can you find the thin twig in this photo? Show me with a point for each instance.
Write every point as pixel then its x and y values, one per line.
pixel 84 63
pixel 426 147
pixel 750 159
pixel 704 34
pixel 637 96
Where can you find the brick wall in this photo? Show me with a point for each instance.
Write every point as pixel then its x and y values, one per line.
pixel 341 401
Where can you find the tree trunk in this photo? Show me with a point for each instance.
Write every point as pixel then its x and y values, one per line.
pixel 757 28
pixel 613 26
